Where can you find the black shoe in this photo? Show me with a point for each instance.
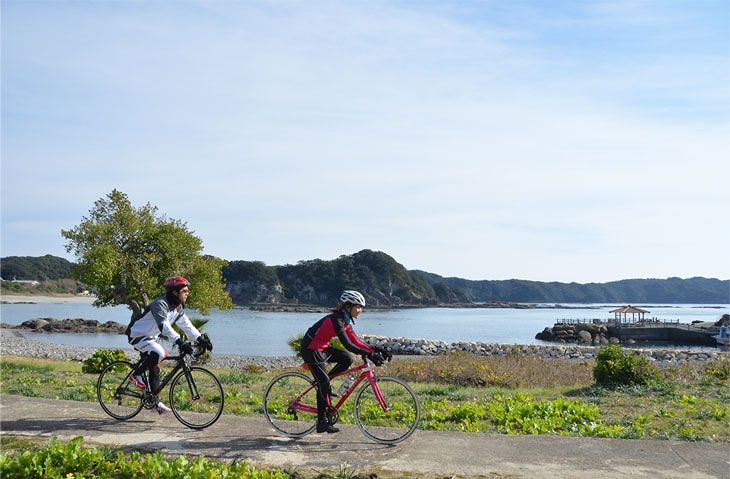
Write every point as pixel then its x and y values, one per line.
pixel 325 426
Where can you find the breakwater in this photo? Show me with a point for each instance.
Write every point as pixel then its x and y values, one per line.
pixel 426 347
pixel 14 343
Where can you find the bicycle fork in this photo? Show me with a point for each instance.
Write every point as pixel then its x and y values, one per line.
pixel 194 394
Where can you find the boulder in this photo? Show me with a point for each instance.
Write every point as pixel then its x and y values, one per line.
pixel 76 325
pixel 585 337
pixel 38 323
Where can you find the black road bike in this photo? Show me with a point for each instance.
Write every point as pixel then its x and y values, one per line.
pixel 196 395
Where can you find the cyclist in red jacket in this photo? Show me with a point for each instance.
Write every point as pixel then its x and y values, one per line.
pixel 316 350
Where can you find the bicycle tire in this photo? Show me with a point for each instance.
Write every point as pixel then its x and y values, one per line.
pixel 117 396
pixel 398 422
pixel 280 393
pixel 196 397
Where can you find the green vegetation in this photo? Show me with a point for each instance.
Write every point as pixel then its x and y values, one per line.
pixel 464 392
pixel 615 368
pixel 72 460
pixel 295 344
pixel 101 359
pixel 126 253
pixel 40 268
pixel 48 287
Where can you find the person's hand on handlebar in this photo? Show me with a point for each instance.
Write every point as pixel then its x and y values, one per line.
pixel 385 352
pixel 204 342
pixel 184 346
pixel 376 358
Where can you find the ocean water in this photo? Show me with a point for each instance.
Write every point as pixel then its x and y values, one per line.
pixel 246 332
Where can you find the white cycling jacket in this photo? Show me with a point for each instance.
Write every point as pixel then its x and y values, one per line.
pixel 159 320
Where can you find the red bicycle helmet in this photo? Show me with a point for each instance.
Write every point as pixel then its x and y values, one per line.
pixel 176 282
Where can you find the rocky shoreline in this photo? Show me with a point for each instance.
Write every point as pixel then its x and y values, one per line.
pixel 15 343
pixel 77 325
pixel 426 347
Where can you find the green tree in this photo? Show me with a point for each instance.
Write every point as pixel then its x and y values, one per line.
pixel 126 253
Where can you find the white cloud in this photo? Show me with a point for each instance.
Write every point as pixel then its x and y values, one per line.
pixel 479 140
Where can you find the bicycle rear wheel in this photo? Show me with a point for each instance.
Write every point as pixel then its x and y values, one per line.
pixel 400 418
pixel 288 412
pixel 196 398
pixel 118 397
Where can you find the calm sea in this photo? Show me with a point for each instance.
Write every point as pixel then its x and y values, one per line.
pixel 246 332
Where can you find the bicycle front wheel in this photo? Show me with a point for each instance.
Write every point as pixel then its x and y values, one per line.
pixel 196 398
pixel 290 404
pixel 117 395
pixel 394 422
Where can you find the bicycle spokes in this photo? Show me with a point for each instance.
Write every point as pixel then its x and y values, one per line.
pixel 196 397
pixel 116 395
pixel 290 404
pixel 387 410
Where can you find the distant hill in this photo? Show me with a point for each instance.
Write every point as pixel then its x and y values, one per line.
pixel 385 282
pixel 379 277
pixel 52 274
pixel 38 268
pixel 633 291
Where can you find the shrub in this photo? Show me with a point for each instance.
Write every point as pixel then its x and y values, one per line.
pixel 718 370
pixel 101 359
pixel 295 344
pixel 615 368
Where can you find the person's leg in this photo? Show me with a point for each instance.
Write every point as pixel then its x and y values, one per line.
pixel 154 354
pixel 317 366
pixel 342 358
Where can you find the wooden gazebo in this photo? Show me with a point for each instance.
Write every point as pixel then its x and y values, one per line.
pixel 625 311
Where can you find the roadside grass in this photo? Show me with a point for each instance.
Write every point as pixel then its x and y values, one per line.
pixel 465 392
pixel 52 458
pixel 56 459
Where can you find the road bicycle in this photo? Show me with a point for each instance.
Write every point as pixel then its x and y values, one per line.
pixel 386 409
pixel 196 395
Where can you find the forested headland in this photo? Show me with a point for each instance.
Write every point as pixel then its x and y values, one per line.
pixel 385 282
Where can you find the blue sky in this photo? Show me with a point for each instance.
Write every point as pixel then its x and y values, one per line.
pixel 581 141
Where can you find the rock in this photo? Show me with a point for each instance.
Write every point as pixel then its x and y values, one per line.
pixel 585 337
pixel 72 326
pixel 38 323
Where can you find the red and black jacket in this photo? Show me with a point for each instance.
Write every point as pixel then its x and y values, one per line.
pixel 338 323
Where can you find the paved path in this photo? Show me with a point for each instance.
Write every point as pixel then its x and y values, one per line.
pixel 427 454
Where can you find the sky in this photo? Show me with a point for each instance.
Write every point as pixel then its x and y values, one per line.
pixel 572 141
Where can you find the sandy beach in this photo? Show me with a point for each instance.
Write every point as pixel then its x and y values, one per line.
pixel 13 298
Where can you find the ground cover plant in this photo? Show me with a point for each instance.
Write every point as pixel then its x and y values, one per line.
pixel 464 392
pixel 42 458
pixel 71 460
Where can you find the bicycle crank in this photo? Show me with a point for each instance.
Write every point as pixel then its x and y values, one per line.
pixel 149 401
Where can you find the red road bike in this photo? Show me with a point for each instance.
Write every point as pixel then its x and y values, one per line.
pixel 385 409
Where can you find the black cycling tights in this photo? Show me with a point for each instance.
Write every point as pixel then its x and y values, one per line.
pixel 150 362
pixel 317 362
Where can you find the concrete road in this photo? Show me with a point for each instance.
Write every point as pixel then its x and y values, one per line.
pixel 427 454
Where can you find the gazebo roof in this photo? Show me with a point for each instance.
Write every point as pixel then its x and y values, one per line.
pixel 628 309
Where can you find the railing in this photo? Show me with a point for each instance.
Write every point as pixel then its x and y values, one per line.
pixel 652 322
pixel 579 321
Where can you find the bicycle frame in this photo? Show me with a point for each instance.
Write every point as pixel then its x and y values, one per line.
pixel 180 364
pixel 364 372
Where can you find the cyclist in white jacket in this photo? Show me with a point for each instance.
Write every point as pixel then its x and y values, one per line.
pixel 144 332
